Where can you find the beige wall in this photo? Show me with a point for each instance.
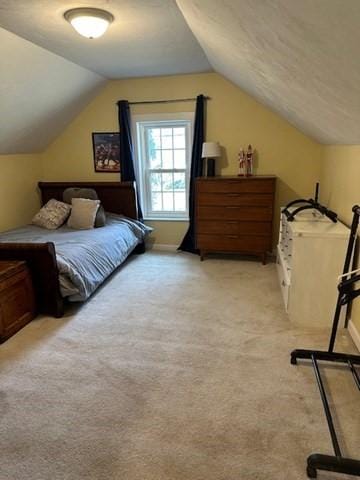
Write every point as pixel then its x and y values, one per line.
pixel 340 188
pixel 233 118
pixel 340 174
pixel 19 198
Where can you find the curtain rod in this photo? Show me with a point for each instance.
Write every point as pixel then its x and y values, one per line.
pixel 167 101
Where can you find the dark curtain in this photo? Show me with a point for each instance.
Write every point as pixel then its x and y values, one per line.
pixel 126 147
pixel 188 242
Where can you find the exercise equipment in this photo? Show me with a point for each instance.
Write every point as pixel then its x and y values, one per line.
pixel 310 204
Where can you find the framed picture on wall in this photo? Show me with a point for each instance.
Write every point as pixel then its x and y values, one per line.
pixel 106 151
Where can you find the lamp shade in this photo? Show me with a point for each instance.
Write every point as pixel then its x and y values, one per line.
pixel 211 150
pixel 89 22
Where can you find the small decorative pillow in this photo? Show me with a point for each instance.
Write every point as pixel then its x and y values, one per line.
pixel 83 213
pixel 52 215
pixel 89 193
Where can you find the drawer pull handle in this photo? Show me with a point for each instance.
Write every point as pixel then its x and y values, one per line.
pixel 233 222
pixel 231 236
pixel 283 283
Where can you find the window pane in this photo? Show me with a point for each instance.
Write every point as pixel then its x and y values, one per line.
pixel 166 132
pixel 156 202
pixel 179 181
pixel 155 182
pixel 168 202
pixel 179 131
pixel 180 201
pixel 179 141
pixel 167 159
pixel 155 158
pixel 168 184
pixel 179 159
pixel 153 138
pixel 155 132
pixel 166 140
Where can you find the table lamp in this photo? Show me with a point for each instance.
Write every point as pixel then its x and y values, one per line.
pixel 210 151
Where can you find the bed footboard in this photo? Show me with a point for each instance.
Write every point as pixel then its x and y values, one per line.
pixel 41 261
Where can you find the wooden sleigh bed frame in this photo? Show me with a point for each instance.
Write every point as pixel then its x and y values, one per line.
pixel 116 197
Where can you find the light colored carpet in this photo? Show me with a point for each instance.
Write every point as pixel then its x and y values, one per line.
pixel 174 370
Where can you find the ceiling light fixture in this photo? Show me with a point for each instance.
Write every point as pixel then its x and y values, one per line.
pixel 89 22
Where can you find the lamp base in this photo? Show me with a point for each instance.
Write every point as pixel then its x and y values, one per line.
pixel 210 167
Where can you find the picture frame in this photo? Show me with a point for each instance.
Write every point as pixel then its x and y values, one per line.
pixel 106 152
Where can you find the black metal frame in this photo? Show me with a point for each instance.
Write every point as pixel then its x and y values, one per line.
pixel 310 204
pixel 347 292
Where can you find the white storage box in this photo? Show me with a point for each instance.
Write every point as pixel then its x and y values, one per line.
pixel 310 257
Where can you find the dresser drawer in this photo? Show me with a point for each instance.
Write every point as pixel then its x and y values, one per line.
pixel 257 214
pixel 239 185
pixel 233 243
pixel 234 227
pixel 283 280
pixel 236 199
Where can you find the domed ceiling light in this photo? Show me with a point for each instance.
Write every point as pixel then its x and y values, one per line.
pixel 89 22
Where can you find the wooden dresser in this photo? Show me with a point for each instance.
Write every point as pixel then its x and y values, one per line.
pixel 234 214
pixel 17 305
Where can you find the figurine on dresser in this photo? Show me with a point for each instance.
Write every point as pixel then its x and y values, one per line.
pixel 246 160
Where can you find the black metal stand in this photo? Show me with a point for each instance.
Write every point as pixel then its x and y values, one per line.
pixel 347 293
pixel 311 204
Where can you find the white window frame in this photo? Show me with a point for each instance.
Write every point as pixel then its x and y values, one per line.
pixel 139 124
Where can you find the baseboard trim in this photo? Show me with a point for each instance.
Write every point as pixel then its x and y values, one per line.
pixel 162 247
pixel 354 334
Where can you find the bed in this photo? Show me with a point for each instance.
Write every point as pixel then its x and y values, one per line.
pixel 71 264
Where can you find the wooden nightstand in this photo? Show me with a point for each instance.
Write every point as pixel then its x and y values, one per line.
pixel 17 304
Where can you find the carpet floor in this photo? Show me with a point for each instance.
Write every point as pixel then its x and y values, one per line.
pixel 176 369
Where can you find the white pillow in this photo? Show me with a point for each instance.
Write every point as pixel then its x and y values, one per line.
pixel 83 213
pixel 52 215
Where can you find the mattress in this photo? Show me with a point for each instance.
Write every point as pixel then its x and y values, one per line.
pixel 85 258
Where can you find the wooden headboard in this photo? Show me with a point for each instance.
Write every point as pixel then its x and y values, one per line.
pixel 116 197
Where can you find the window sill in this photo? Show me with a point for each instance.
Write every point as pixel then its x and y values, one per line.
pixel 164 219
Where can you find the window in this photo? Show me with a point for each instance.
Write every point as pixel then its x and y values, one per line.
pixel 163 160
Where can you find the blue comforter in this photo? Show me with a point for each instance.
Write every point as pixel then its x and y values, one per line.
pixel 85 257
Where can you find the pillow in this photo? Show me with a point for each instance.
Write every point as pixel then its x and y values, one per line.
pixel 52 215
pixel 83 213
pixel 100 219
pixel 70 193
pixel 89 193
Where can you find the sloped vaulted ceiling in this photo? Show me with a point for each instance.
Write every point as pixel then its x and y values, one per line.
pixel 300 57
pixel 41 91
pixel 147 37
pixel 39 94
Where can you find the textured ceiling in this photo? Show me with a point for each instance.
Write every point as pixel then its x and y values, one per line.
pixel 39 94
pixel 147 37
pixel 299 57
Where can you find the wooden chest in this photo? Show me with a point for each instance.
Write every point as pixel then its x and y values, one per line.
pixel 234 214
pixel 17 305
